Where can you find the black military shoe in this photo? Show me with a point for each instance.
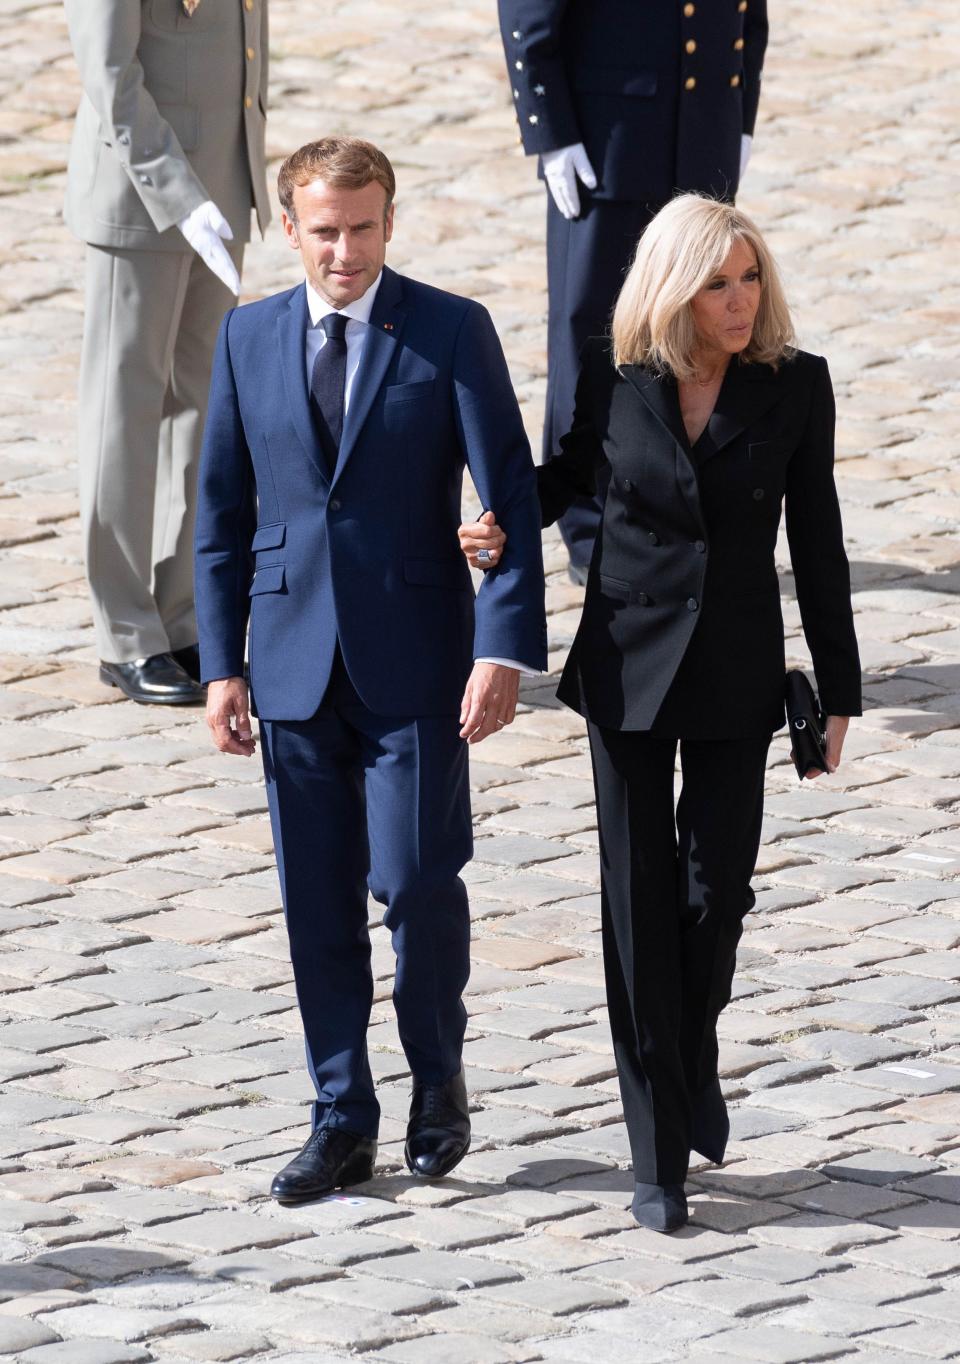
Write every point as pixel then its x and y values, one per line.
pixel 331 1159
pixel 438 1133
pixel 661 1207
pixel 159 681
pixel 189 659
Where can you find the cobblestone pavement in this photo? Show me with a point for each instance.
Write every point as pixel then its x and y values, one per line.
pixel 151 1048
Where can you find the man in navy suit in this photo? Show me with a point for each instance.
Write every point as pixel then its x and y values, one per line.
pixel 341 415
pixel 626 104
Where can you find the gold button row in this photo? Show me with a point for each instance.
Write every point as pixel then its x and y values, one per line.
pixel 691 82
pixel 248 102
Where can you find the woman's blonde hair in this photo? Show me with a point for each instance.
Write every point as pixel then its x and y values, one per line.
pixel 683 248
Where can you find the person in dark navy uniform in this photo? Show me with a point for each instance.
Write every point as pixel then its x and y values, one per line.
pixel 712 425
pixel 626 104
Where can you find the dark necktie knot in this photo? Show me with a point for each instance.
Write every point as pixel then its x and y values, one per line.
pixel 334 326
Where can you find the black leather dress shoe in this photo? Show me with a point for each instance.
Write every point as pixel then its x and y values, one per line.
pixel 159 680
pixel 661 1207
pixel 331 1159
pixel 438 1133
pixel 189 659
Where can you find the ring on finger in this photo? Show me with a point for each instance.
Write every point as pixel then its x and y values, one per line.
pixel 483 556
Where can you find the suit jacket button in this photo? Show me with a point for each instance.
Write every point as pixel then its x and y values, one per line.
pixel 758 494
pixel 642 599
pixel 653 537
pixel 627 486
pixel 700 546
pixel 692 604
pixel 335 504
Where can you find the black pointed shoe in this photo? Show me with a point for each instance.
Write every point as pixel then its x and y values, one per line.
pixel 331 1159
pixel 661 1207
pixel 438 1133
pixel 189 659
pixel 158 681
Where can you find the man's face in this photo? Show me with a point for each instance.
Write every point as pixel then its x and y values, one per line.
pixel 342 237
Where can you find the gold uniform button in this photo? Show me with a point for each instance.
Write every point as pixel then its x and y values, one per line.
pixel 251 53
pixel 734 81
pixel 742 7
pixel 248 4
pixel 738 45
pixel 690 83
pixel 248 102
pixel 690 46
pixel 689 11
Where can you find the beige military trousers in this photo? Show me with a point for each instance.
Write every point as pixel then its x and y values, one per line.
pixel 149 331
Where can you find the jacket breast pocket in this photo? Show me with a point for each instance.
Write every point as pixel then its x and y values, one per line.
pixel 269 578
pixel 270 536
pixel 405 393
pixel 768 451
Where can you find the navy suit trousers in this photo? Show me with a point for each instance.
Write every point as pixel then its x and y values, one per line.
pixel 587 261
pixel 358 801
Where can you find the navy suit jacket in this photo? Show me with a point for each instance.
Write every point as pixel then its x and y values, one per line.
pixel 368 552
pixel 658 91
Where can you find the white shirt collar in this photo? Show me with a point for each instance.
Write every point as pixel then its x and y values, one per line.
pixel 359 310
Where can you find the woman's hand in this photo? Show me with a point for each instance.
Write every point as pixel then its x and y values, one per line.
pixel 482 538
pixel 836 733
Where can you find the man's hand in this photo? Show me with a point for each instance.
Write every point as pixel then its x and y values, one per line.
pixel 489 702
pixel 746 146
pixel 204 228
pixel 837 726
pixel 561 168
pixel 228 715
pixel 477 536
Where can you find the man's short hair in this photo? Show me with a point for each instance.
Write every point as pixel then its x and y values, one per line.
pixel 343 162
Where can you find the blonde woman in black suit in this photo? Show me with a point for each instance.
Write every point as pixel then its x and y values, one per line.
pixel 711 422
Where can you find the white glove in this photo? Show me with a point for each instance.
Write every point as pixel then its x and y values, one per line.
pixel 560 170
pixel 746 143
pixel 204 228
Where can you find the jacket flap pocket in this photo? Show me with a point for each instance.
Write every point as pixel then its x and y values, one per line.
pixel 185 122
pixel 434 572
pixel 615 587
pixel 269 537
pixel 615 80
pixel 398 393
pixel 270 578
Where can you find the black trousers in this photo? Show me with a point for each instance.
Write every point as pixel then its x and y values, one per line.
pixel 675 887
pixel 587 259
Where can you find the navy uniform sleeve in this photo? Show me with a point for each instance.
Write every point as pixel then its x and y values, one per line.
pixel 754 47
pixel 531 31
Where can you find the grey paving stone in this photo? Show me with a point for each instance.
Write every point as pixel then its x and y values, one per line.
pixel 439 1269
pixel 20 1333
pixel 79 1351
pixel 774 1344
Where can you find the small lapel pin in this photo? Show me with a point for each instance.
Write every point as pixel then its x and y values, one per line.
pixel 388 326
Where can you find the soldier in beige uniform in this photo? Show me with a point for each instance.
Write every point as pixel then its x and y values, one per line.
pixel 166 164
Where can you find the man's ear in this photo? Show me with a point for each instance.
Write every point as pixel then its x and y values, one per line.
pixel 290 230
pixel 388 223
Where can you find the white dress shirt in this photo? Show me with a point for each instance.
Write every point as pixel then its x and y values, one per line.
pixel 358 320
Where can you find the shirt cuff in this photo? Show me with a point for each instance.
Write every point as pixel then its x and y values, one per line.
pixel 511 663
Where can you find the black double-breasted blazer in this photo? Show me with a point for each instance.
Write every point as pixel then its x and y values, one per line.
pixel 682 627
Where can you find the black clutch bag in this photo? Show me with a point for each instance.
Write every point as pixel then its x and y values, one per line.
pixel 807 724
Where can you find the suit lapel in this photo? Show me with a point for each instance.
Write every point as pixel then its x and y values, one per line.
pixel 745 394
pixel 379 347
pixel 659 392
pixel 292 322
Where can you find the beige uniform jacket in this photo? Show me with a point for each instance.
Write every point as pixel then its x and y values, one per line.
pixel 173 113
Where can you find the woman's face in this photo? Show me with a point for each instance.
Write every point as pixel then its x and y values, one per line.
pixel 725 309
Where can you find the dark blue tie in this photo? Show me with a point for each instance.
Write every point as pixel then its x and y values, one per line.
pixel 328 381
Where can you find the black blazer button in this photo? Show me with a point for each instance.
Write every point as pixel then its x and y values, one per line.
pixel 335 504
pixel 758 494
pixel 642 599
pixel 692 604
pixel 700 546
pixel 653 537
pixel 627 486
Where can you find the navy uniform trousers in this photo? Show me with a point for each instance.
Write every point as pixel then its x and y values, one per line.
pixel 587 260
pixel 362 800
pixel 675 886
